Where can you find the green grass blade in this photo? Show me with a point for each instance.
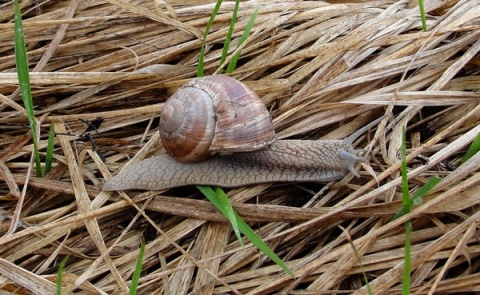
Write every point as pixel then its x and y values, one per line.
pixel 417 198
pixel 228 38
pixel 200 67
pixel 227 206
pixel 245 229
pixel 220 200
pixel 359 259
pixel 257 241
pixel 138 270
pixel 473 149
pixel 246 33
pixel 407 258
pixel 24 81
pixel 50 148
pixel 422 15
pixel 407 205
pixel 405 193
pixel 60 270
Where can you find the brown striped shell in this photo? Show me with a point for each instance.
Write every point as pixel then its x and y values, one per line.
pixel 214 115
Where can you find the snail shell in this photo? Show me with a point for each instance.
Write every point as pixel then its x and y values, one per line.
pixel 214 115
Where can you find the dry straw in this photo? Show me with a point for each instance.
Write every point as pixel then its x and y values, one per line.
pixel 323 69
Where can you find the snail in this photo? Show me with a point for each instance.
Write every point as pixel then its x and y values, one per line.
pixel 218 132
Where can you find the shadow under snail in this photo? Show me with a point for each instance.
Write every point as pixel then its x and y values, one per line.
pixel 218 132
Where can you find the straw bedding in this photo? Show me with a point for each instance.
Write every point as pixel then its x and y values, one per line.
pixel 323 70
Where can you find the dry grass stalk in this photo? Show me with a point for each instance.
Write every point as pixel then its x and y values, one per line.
pixel 324 70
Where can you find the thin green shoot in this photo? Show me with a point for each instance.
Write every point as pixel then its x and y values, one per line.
pixel 407 206
pixel 417 198
pixel 220 200
pixel 244 228
pixel 422 15
pixel 138 270
pixel 473 149
pixel 24 82
pixel 228 38
pixel 60 271
pixel 243 38
pixel 50 149
pixel 230 213
pixel 359 259
pixel 200 67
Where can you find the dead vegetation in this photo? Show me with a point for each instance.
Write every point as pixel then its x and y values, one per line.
pixel 323 69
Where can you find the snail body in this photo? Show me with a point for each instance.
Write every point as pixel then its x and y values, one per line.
pixel 283 161
pixel 254 157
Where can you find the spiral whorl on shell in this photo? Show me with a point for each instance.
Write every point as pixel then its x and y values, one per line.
pixel 214 115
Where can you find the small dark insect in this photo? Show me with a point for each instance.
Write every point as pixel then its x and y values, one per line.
pixel 422 159
pixel 93 126
pixel 87 136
